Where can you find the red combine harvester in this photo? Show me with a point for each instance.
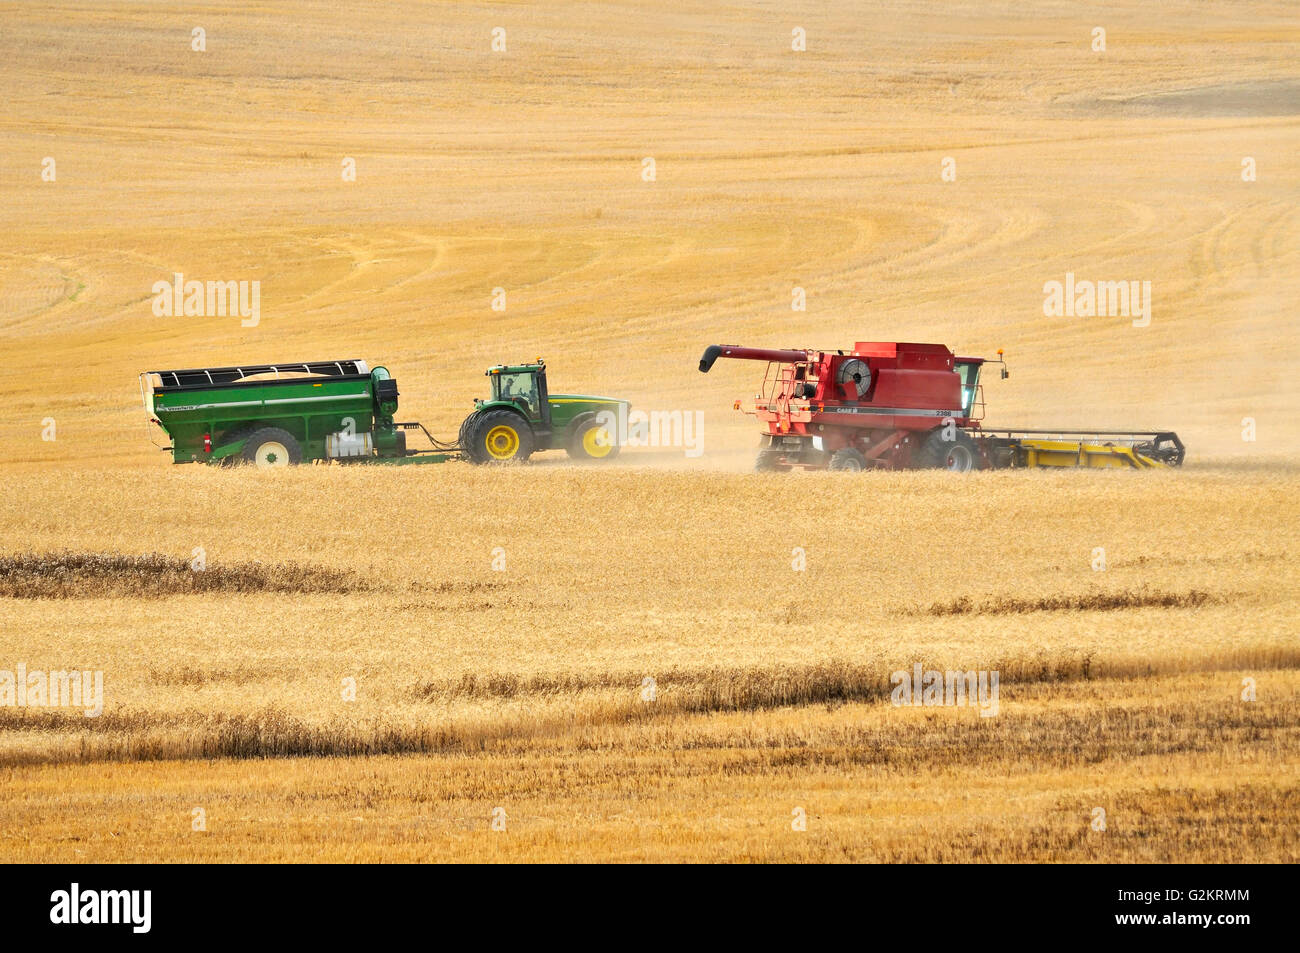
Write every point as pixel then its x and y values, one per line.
pixel 900 406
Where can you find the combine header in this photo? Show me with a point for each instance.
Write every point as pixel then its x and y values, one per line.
pixel 900 406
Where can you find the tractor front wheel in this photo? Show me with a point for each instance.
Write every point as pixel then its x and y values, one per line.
pixel 500 436
pixel 591 440
pixel 272 447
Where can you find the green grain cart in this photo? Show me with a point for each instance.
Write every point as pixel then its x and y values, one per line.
pixel 276 415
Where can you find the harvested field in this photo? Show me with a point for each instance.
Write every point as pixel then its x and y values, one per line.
pixel 659 659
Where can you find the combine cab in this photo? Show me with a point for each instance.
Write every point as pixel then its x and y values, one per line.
pixel 900 406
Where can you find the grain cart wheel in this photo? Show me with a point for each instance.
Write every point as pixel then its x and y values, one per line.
pixel 956 455
pixel 233 437
pixel 849 459
pixel 272 447
pixel 500 436
pixel 591 440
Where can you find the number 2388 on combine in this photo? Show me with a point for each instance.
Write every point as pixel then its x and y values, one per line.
pixel 274 415
pixel 899 406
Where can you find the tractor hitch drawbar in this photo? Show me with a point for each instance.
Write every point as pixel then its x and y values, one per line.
pixel 441 446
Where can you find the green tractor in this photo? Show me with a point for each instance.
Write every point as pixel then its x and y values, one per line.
pixel 522 417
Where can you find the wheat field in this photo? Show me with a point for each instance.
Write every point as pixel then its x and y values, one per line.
pixel 668 658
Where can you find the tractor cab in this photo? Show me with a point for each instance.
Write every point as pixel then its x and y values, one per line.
pixel 523 385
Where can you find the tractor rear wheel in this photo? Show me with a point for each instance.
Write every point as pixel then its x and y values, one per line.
pixel 591 440
pixel 956 455
pixel 272 447
pixel 500 436
pixel 467 431
pixel 849 459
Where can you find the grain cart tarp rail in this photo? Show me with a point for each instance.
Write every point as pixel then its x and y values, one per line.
pixel 278 414
pixel 897 405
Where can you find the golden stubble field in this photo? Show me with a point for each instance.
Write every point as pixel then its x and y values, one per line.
pixel 524 689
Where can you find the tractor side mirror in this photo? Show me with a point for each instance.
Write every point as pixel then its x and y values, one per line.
pixel 1005 373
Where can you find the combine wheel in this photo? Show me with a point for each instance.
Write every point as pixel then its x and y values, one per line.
pixel 272 447
pixel 499 436
pixel 849 459
pixel 591 440
pixel 956 455
pixel 769 461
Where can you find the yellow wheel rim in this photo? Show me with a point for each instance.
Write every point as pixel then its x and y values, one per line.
pixel 502 442
pixel 596 442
